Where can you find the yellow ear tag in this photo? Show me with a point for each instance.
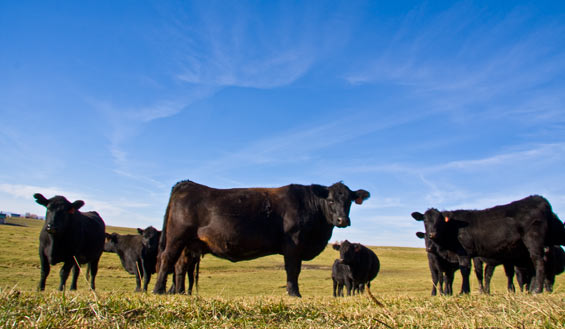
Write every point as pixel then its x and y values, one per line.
pixel 446 219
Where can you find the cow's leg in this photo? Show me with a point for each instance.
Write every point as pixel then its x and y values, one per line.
pixel 549 281
pixel 292 265
pixel 138 274
pixel 441 282
pixel 137 278
pixel 348 286
pixel 168 258
pixel 536 250
pixel 45 268
pixel 465 268
pixel 93 265
pixel 509 270
pixel 180 275
pixel 521 278
pixel 449 276
pixel 64 274
pixel 435 280
pixel 489 271
pixel 478 265
pixel 334 286
pixel 190 272
pixel 76 272
pixel 146 275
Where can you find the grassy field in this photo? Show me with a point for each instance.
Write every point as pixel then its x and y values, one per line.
pixel 252 294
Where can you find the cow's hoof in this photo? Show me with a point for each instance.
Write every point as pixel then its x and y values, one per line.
pixel 295 294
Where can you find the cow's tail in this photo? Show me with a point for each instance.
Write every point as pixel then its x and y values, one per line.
pixel 373 297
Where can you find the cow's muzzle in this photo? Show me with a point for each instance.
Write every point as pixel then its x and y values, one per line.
pixel 342 222
pixel 50 229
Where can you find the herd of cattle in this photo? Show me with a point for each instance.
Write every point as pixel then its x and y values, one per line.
pixel 297 221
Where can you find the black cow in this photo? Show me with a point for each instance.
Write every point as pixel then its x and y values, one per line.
pixel 515 233
pixel 71 237
pixel 137 252
pixel 187 264
pixel 245 223
pixel 443 265
pixel 554 265
pixel 341 276
pixel 362 261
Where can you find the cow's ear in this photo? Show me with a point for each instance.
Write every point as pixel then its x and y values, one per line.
pixel 39 198
pixel 417 216
pixel 140 231
pixel 76 205
pixel 359 196
pixel 336 246
pixel 320 191
pixel 421 235
pixel 447 216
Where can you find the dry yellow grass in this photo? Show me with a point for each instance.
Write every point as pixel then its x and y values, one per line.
pixel 252 294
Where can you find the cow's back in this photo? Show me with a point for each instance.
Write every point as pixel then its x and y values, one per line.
pixel 237 224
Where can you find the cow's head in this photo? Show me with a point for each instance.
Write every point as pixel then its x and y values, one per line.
pixel 150 238
pixel 111 242
pixel 434 221
pixel 430 245
pixel 349 253
pixel 336 202
pixel 59 212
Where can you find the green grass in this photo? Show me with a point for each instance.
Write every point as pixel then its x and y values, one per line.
pixel 252 294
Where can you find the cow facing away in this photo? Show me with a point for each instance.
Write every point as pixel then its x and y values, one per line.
pixel 137 252
pixel 246 223
pixel 71 237
pixel 362 261
pixel 515 233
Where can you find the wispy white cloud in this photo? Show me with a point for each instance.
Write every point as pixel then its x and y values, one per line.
pixel 247 49
pixel 451 63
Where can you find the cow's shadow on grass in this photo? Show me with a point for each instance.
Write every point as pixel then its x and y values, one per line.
pixel 14 224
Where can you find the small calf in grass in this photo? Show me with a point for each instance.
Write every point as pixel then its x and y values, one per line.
pixel 362 261
pixel 138 253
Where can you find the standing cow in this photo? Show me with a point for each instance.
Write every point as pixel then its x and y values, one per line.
pixel 69 236
pixel 443 265
pixel 515 233
pixel 137 252
pixel 245 223
pixel 341 276
pixel 362 261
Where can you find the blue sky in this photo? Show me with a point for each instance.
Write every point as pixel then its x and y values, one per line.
pixel 424 104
